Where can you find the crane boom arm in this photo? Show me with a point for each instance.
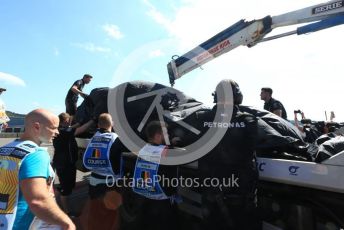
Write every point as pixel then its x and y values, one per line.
pixel 249 33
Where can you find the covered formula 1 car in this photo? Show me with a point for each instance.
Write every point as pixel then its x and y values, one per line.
pixel 186 117
pixel 292 185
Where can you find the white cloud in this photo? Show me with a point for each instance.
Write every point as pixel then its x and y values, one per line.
pixel 88 46
pixel 11 79
pixel 197 20
pixel 157 16
pixel 113 31
pixel 156 53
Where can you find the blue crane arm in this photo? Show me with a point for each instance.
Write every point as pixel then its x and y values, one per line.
pixel 249 33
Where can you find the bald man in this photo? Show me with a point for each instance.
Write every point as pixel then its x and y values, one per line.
pixel 26 176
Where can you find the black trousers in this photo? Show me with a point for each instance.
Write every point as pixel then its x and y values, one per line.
pixel 159 214
pixel 231 213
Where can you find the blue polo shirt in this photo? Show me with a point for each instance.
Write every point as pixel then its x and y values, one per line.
pixel 36 164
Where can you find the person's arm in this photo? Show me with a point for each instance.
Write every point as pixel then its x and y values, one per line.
pixel 296 122
pixel 76 125
pixel 303 115
pixel 83 128
pixel 77 91
pixel 332 116
pixel 116 151
pixel 277 108
pixel 42 204
pixel 278 112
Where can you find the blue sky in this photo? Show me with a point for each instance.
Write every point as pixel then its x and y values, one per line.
pixel 47 45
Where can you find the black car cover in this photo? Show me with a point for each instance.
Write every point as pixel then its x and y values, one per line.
pixel 93 105
pixel 331 145
pixel 274 133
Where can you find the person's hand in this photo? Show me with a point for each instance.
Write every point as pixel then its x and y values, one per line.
pixel 70 225
pixel 303 115
pixel 84 95
pixel 332 116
